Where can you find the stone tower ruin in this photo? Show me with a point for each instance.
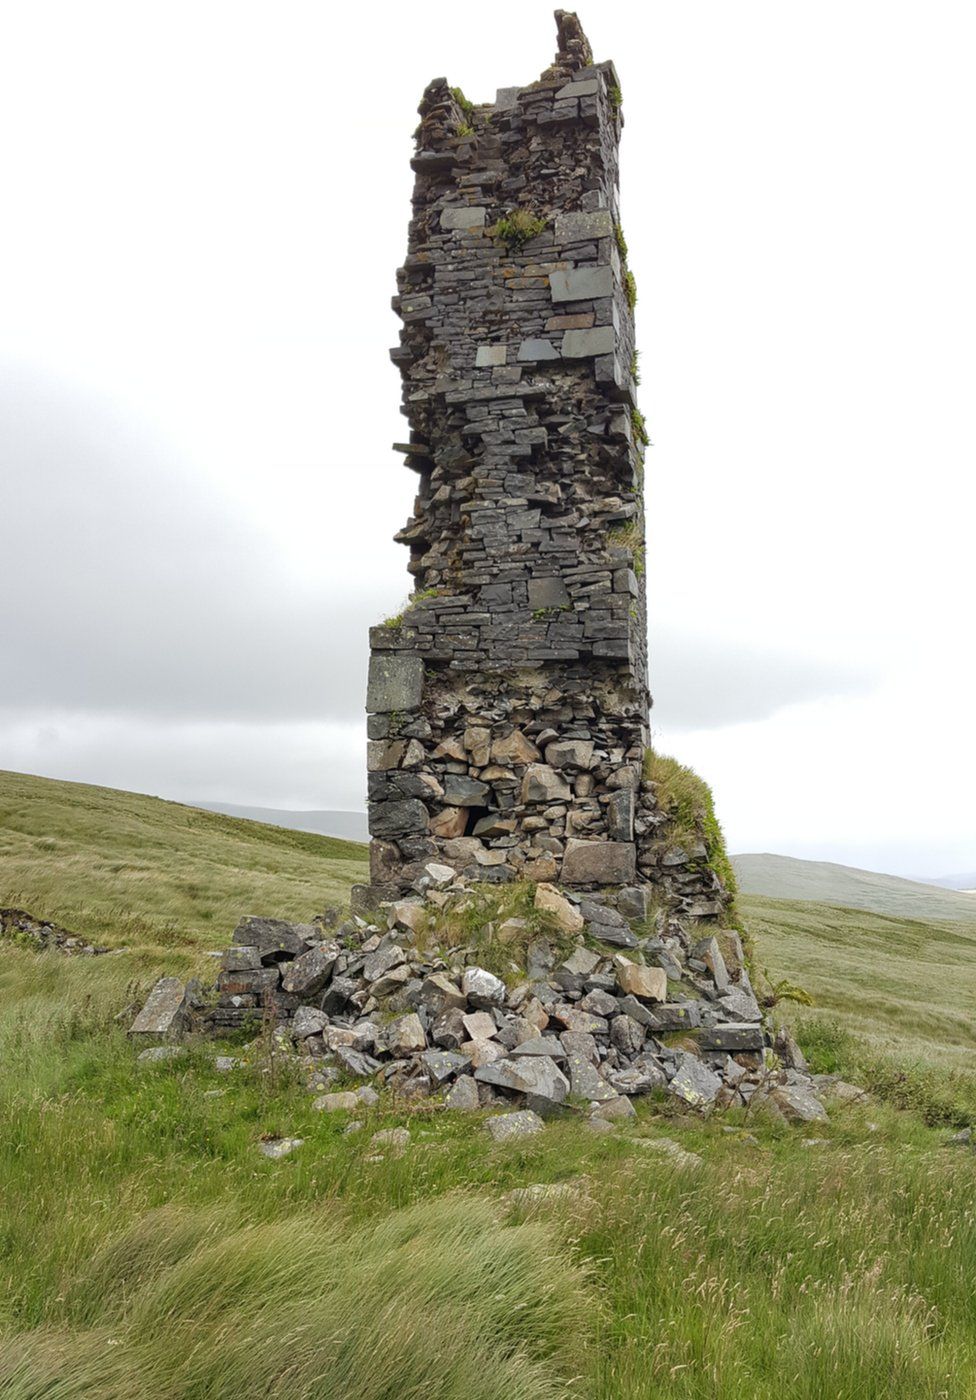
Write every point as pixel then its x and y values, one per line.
pixel 508 704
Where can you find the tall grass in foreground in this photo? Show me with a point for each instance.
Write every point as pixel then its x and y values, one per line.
pixel 148 1250
pixel 433 1301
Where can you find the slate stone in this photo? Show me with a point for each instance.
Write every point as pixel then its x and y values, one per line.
pixel 584 87
pixel 310 971
pixel 465 792
pixel 463 216
pixel 598 862
pixel 165 1014
pixel 620 816
pixel 463 1095
pixel 392 819
pixel 509 1127
pixel 535 350
pixel 442 1065
pixel 482 988
pixel 582 284
pixel 488 355
pixel 535 1075
pixel 547 593
pixel 159 1054
pixel 308 1020
pixel 275 938
pixel 587 1082
pixel 693 1082
pixel 541 1045
pixel 732 1037
pixel 627 1035
pixel 798 1104
pixel 574 227
pixel 577 345
pixel 357 1062
pixel 395 682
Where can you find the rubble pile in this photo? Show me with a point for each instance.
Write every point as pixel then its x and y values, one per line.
pixel 20 927
pixel 584 1008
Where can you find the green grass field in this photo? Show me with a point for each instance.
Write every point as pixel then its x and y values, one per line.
pixel 147 1249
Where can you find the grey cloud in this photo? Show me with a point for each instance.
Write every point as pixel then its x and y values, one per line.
pixel 705 683
pixel 132 588
pixel 129 586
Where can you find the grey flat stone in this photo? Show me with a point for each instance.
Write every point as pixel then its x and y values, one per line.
pixel 694 1083
pixel 541 1045
pixel 158 1054
pixel 396 682
pixel 463 216
pixel 578 345
pixel 535 350
pixel 487 356
pixel 537 1075
pixel 586 87
pixel 164 1016
pixel 582 284
pixel 510 1126
pixel 576 227
pixel 280 1147
pixel 598 862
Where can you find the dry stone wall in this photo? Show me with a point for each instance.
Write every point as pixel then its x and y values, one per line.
pixel 508 706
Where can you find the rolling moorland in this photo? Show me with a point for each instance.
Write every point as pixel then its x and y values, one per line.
pixel 147 1248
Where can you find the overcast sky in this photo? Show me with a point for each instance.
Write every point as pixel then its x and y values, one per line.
pixel 204 207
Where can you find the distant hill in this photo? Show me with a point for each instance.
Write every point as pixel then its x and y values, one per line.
pixel 785 877
pixel 348 826
pixel 956 882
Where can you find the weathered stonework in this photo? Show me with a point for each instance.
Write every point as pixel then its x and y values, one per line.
pixel 509 704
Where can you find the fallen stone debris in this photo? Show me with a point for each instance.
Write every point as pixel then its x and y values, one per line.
pixel 576 1023
pixel 43 935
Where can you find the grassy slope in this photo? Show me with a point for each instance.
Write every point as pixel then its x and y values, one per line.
pixel 900 985
pixel 147 1249
pixel 784 877
pixel 127 869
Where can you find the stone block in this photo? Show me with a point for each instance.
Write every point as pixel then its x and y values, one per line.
pixel 634 980
pixel 543 784
pixel 599 862
pixel 582 284
pixel 576 227
pixel 463 217
pixel 534 350
pixel 620 816
pixel 397 818
pixel 450 823
pixel 586 87
pixel 550 901
pixel 396 682
pixel 570 753
pixel 514 748
pixel 164 1016
pixel 487 356
pixel 548 593
pixel 508 1127
pixel 578 345
pixel 310 972
pixel 732 1037
pixel 534 1075
pixel 465 792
